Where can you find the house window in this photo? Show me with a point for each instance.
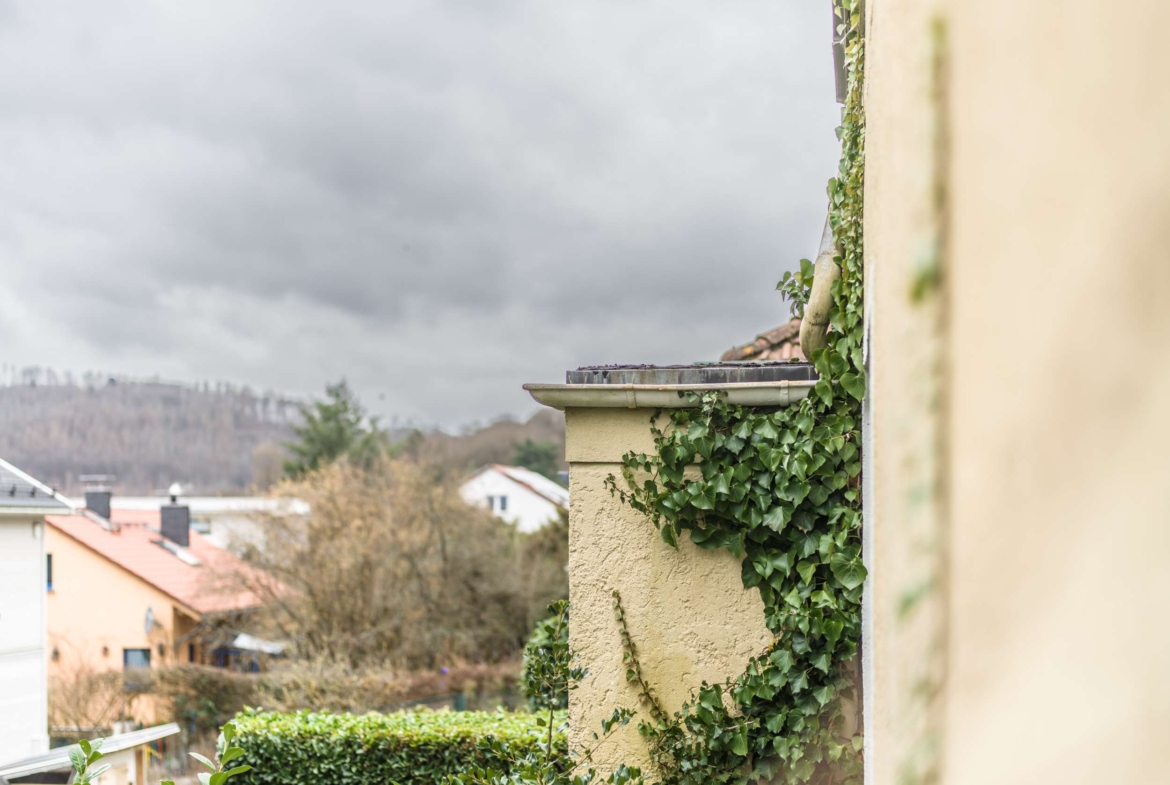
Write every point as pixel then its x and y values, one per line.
pixel 503 503
pixel 190 652
pixel 49 572
pixel 135 659
pixel 491 500
pixel 136 668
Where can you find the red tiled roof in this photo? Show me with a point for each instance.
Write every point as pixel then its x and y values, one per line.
pixel 132 545
pixel 783 343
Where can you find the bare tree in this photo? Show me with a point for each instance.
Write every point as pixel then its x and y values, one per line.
pixel 392 567
pixel 85 699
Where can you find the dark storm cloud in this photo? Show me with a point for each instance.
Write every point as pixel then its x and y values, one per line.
pixel 411 194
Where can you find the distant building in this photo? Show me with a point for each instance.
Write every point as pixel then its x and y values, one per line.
pixel 228 522
pixel 782 343
pixel 519 496
pixel 136 589
pixel 24 502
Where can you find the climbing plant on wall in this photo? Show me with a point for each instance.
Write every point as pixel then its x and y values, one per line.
pixel 780 489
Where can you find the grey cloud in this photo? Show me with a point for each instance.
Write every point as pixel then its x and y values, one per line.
pixel 407 193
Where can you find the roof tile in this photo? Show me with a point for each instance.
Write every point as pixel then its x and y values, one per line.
pixel 132 544
pixel 782 343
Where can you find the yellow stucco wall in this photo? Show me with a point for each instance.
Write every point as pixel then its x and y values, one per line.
pixel 687 611
pixel 1058 344
pixel 95 603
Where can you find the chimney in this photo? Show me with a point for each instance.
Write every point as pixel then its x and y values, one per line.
pixel 97 493
pixel 175 523
pixel 98 502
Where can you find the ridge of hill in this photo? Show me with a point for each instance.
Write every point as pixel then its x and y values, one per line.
pixel 210 438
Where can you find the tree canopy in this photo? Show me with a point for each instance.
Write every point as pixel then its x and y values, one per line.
pixel 540 457
pixel 334 428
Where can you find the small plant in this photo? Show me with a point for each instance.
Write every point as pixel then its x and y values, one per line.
pixel 225 753
pixel 548 669
pixel 87 753
pixel 795 286
pixel 83 756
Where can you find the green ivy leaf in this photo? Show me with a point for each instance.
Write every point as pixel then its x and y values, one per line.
pixel 777 518
pixel 739 743
pixel 854 384
pixel 782 659
pixel 806 570
pixel 848 570
pixel 824 391
pixel 765 429
pixel 793 598
pixel 668 537
pixel 824 693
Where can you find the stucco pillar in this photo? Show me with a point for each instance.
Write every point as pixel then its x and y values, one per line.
pixel 686 609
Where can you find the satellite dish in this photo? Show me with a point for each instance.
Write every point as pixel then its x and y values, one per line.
pixel 149 623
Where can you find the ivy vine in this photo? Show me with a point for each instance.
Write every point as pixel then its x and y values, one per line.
pixel 780 489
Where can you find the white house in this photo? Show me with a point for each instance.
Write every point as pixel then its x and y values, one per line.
pixel 519 496
pixel 25 577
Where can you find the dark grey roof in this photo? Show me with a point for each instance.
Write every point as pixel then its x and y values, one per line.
pixel 19 491
pixel 58 758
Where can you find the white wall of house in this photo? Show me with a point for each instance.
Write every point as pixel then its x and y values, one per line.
pixel 510 500
pixel 23 678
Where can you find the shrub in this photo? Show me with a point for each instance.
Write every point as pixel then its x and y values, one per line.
pixel 418 748
pixel 202 695
pixel 210 696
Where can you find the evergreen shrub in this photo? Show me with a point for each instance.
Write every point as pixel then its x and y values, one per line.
pixel 415 748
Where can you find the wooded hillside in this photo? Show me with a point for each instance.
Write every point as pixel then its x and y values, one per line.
pixel 148 434
pixel 210 438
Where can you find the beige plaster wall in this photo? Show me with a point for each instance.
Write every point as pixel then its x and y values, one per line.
pixel 687 610
pixel 1057 338
pixel 905 551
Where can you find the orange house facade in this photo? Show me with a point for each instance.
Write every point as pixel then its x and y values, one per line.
pixel 124 595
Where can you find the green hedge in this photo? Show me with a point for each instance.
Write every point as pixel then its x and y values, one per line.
pixel 416 748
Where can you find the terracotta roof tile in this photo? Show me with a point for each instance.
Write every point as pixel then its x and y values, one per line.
pixel 132 544
pixel 782 343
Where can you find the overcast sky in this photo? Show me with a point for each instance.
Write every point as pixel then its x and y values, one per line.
pixel 438 200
